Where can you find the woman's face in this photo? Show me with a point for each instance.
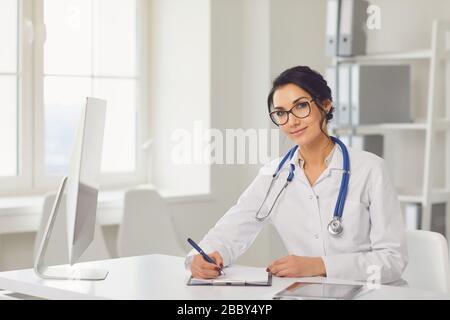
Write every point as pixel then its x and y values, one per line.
pixel 302 131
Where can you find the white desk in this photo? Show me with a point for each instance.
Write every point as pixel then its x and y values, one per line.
pixel 163 277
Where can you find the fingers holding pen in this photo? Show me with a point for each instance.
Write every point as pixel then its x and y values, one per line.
pixel 200 268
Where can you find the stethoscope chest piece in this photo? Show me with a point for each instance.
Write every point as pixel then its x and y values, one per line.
pixel 335 227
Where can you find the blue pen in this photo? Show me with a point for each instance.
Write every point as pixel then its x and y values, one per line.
pixel 204 255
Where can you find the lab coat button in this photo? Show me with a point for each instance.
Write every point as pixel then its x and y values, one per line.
pixel 316 236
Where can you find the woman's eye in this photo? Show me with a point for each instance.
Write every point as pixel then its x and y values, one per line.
pixel 280 113
pixel 302 105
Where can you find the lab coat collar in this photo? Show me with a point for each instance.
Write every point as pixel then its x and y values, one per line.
pixel 336 161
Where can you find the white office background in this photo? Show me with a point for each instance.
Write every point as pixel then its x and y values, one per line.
pixel 229 51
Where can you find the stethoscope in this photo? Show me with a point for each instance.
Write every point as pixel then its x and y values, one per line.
pixel 335 227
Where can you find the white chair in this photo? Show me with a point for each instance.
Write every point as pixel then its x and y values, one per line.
pixel 428 266
pixel 57 252
pixel 146 226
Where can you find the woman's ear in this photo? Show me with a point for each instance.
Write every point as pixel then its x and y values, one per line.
pixel 327 105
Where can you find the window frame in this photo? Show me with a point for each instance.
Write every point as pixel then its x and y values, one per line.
pixel 31 38
pixel 23 180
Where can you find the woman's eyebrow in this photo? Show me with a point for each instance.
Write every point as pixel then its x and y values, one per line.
pixel 298 99
pixel 293 102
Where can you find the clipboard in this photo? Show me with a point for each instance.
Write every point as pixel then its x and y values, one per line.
pixel 230 282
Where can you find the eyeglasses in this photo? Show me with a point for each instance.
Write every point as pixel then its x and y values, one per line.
pixel 301 110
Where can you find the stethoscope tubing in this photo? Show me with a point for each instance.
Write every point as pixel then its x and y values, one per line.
pixel 340 202
pixel 339 208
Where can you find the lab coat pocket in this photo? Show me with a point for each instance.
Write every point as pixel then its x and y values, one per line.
pixel 356 225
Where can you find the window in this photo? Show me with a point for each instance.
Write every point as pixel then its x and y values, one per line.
pixel 90 51
pixel 8 88
pixel 72 49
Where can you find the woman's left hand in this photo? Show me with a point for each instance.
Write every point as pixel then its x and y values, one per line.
pixel 295 266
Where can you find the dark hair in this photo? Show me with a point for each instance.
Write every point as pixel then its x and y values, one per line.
pixel 309 80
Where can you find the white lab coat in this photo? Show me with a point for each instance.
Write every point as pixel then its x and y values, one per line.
pixel 373 237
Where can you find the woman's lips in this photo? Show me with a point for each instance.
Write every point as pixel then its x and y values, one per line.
pixel 298 132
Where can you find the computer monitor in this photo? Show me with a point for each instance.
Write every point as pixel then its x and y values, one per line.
pixel 82 194
pixel 83 180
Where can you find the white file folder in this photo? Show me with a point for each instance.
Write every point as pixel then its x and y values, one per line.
pixel 346 139
pixel 411 216
pixel 352 27
pixel 332 34
pixel 354 94
pixel 344 95
pixel 379 94
pixel 331 78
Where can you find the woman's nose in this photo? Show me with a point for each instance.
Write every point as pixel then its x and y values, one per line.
pixel 293 121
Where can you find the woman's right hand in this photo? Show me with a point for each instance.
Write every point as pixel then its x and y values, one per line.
pixel 202 269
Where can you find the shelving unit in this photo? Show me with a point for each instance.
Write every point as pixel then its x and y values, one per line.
pixel 382 128
pixel 438 57
pixel 383 57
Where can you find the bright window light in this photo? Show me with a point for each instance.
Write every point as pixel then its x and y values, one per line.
pixel 8 88
pixel 8 126
pixel 90 51
pixel 8 36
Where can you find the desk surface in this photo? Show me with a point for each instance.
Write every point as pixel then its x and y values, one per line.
pixel 158 277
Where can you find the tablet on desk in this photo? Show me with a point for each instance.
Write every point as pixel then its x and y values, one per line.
pixel 321 291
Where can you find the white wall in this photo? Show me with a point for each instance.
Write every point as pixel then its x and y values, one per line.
pixel 16 251
pixel 239 73
pixel 179 87
pixel 297 34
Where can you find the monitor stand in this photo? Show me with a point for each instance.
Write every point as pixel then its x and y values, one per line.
pixel 66 272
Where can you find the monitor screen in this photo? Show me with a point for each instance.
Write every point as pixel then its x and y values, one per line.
pixel 83 180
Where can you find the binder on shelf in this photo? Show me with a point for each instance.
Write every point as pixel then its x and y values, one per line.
pixel 332 30
pixel 352 29
pixel 355 94
pixel 379 94
pixel 412 215
pixel 343 85
pixel 346 139
pixel 331 78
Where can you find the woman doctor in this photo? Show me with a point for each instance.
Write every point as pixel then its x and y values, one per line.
pixel 368 235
